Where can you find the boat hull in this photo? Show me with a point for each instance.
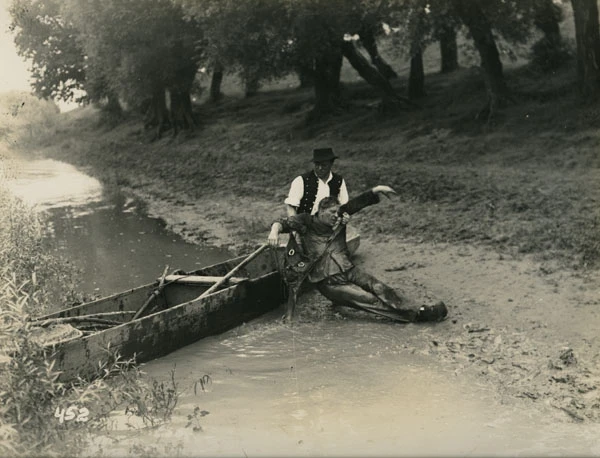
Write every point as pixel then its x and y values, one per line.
pixel 177 316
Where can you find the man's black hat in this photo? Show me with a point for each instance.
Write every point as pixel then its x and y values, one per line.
pixel 323 154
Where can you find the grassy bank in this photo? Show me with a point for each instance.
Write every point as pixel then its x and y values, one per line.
pixel 526 183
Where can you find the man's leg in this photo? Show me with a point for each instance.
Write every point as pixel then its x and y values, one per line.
pixel 340 290
pixel 358 289
pixel 387 295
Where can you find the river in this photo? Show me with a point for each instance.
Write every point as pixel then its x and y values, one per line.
pixel 328 387
pixel 105 234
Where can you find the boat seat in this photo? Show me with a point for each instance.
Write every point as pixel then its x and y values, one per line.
pixel 202 279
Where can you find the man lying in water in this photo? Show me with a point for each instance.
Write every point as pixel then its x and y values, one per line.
pixel 332 271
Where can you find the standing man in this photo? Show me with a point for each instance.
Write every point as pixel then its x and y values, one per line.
pixel 308 189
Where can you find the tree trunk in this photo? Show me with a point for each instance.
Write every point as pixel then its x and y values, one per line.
pixel 587 36
pixel 305 69
pixel 547 18
pixel 390 100
pixel 113 106
pixel 181 111
pixel 548 52
pixel 252 84
pixel 479 26
pixel 367 38
pixel 416 78
pixel 448 50
pixel 328 94
pixel 157 114
pixel 215 82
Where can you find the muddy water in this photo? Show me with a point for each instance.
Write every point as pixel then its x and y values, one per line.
pixel 327 387
pixel 104 234
pixel 334 387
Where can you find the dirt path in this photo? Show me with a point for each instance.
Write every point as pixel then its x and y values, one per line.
pixel 527 327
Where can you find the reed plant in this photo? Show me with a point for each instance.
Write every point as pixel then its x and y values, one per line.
pixel 39 415
pixel 25 258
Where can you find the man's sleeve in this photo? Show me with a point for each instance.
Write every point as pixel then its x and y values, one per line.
pixel 296 192
pixel 359 202
pixel 296 223
pixel 343 195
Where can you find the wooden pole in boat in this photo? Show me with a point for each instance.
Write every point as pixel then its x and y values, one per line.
pixel 77 319
pixel 154 294
pixel 233 271
pixel 48 321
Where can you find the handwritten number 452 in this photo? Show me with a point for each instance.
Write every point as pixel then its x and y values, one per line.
pixel 79 414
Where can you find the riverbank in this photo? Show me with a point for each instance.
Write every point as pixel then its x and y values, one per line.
pixel 500 221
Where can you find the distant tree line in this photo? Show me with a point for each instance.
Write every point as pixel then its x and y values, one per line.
pixel 144 55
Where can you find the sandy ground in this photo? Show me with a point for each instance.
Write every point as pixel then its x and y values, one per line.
pixel 526 327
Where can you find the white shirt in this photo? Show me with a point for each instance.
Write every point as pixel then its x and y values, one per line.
pixel 297 191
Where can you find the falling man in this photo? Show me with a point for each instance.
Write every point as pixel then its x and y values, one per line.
pixel 328 265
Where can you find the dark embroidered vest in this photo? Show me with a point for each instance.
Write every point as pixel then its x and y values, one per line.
pixel 311 184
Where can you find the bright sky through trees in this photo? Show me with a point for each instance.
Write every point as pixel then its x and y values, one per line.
pixel 13 69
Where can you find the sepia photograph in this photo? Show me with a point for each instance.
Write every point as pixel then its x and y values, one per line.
pixel 299 228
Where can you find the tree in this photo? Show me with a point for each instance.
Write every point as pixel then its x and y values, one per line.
pixel 47 39
pixel 325 31
pixel 587 35
pixel 473 16
pixel 448 48
pixel 143 51
pixel 550 51
pixel 246 37
pixel 418 30
pixel 371 28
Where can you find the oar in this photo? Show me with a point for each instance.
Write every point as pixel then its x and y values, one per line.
pixel 233 271
pixel 154 294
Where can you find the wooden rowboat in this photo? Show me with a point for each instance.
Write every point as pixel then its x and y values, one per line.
pixel 177 315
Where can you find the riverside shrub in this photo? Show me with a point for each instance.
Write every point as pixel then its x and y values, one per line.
pixel 38 414
pixel 24 256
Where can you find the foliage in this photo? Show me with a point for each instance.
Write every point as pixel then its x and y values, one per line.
pixel 550 56
pixel 24 118
pixel 132 50
pixel 28 384
pixel 250 37
pixel 44 36
pixel 31 395
pixel 120 385
pixel 24 257
pixel 135 46
pixel 34 401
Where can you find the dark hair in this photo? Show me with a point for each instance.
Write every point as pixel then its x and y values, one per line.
pixel 328 202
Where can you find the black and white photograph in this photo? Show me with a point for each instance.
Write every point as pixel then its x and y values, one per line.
pixel 299 228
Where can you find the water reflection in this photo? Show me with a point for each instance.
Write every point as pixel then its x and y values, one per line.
pixel 51 184
pixel 102 232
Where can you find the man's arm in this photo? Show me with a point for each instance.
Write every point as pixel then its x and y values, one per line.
pixel 285 225
pixel 274 234
pixel 294 196
pixel 343 194
pixel 291 210
pixel 370 197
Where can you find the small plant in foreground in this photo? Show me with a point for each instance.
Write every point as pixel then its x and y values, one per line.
pixel 194 419
pixel 28 384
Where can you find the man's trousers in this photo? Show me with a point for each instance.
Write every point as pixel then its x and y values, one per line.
pixel 358 289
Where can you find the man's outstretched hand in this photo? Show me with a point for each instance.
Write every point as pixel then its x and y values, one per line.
pixel 382 189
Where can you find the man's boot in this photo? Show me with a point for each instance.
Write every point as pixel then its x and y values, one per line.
pixel 436 312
